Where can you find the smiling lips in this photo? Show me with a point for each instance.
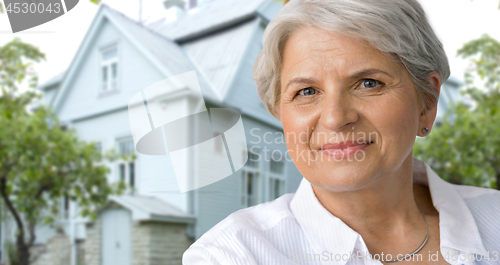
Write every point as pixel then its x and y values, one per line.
pixel 344 149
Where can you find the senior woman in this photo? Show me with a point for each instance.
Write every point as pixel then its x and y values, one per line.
pixel 353 83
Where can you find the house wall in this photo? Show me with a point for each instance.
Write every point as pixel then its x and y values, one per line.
pixel 155 175
pixel 449 95
pixel 216 201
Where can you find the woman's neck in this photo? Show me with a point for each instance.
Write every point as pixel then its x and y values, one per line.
pixel 384 210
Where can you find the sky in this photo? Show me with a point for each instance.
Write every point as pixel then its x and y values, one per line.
pixel 454 21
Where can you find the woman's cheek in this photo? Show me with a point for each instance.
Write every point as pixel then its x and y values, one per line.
pixel 398 123
pixel 296 135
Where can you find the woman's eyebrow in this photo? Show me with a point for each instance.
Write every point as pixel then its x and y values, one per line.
pixel 301 80
pixel 366 72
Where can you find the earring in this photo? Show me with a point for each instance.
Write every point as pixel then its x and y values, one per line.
pixel 425 130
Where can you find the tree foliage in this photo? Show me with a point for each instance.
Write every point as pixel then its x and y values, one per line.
pixel 465 149
pixel 40 161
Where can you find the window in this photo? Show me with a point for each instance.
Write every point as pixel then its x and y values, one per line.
pixel 98 147
pixel 276 188
pixel 126 147
pixel 250 188
pixel 66 207
pixel 109 69
pixel 276 179
pixel 253 160
pixel 277 167
pixel 250 181
pixel 126 169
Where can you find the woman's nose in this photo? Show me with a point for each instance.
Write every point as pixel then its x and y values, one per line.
pixel 338 111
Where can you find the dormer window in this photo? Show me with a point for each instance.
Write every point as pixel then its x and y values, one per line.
pixel 109 69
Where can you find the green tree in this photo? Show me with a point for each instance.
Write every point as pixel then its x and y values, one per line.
pixel 40 161
pixel 466 148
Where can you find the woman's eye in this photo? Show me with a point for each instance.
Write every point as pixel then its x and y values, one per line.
pixel 370 83
pixel 307 91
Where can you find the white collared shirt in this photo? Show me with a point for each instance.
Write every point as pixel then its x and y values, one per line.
pixel 297 229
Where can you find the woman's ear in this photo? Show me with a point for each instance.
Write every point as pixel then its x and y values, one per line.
pixel 428 115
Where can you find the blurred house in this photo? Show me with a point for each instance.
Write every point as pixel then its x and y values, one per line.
pixel 154 223
pixel 450 95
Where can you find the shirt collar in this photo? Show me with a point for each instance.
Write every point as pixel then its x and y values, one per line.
pixel 325 232
pixel 458 229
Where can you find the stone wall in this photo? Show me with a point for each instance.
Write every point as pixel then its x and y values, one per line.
pixel 93 243
pixel 57 251
pixel 140 244
pixel 80 252
pixel 158 243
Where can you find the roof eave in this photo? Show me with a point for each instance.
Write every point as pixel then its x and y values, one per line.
pixel 220 27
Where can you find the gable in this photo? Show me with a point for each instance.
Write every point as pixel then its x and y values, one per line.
pixel 218 56
pixel 84 96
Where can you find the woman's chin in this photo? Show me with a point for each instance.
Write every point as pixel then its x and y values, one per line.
pixel 345 174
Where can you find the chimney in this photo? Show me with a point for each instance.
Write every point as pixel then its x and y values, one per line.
pixel 174 9
pixel 196 5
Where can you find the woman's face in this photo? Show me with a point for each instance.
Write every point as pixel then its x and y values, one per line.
pixel 350 114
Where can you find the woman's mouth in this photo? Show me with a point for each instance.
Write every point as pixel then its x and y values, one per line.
pixel 342 150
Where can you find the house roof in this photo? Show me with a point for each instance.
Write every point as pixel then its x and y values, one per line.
pixel 157 44
pixel 55 80
pixel 219 55
pixel 215 16
pixel 146 208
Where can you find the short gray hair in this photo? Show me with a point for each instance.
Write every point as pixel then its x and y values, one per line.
pixel 398 28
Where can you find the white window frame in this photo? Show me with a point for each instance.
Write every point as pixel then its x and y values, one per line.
pixel 66 204
pixel 98 146
pixel 274 178
pixel 110 85
pixel 129 177
pixel 249 169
